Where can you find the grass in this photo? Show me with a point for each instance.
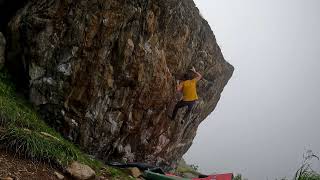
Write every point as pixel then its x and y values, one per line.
pixel 305 173
pixel 116 173
pixel 187 170
pixel 310 176
pixel 184 168
pixel 25 133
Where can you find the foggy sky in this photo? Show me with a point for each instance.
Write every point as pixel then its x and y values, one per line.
pixel 269 114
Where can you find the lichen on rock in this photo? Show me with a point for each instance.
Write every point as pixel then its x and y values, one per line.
pixel 104 72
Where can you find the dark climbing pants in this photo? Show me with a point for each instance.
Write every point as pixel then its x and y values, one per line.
pixel 181 104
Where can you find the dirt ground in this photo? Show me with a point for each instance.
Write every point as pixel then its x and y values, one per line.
pixel 18 168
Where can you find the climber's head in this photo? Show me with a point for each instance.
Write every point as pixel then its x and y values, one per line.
pixel 188 75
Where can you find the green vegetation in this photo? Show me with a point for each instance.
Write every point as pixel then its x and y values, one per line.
pixel 25 133
pixel 116 173
pixel 239 177
pixel 310 176
pixel 184 168
pixel 194 167
pixel 305 172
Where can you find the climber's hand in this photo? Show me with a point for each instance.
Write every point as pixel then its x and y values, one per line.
pixel 193 69
pixel 199 76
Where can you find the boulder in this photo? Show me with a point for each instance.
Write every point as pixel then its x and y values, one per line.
pixel 135 172
pixel 104 72
pixel 80 171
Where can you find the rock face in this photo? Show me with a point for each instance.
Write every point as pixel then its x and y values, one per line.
pixel 104 72
pixel 2 50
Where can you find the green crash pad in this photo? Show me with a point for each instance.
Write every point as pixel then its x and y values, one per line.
pixel 155 176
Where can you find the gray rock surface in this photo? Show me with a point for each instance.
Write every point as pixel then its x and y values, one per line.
pixel 104 72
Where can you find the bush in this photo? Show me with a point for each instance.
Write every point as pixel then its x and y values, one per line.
pixel 305 172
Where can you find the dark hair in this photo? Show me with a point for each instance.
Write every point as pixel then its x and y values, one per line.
pixel 188 75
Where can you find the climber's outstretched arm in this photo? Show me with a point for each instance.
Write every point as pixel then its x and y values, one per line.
pixel 199 76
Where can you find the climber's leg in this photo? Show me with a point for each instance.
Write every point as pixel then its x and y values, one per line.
pixel 190 105
pixel 180 104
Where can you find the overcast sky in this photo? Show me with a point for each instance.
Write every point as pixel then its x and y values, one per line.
pixel 269 113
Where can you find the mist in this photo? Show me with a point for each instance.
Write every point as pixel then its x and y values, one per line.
pixel 268 115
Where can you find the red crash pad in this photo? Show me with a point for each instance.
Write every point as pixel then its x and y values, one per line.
pixel 228 176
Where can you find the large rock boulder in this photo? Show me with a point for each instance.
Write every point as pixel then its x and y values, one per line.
pixel 104 72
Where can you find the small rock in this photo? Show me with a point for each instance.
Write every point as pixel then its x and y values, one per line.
pixel 58 175
pixel 80 171
pixel 135 172
pixel 65 69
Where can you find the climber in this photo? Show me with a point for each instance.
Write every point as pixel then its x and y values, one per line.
pixel 189 90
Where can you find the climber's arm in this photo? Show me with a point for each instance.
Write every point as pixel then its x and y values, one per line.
pixel 180 87
pixel 199 76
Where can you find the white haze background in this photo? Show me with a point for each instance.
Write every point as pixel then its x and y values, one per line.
pixel 269 114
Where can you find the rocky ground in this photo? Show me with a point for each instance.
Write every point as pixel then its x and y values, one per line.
pixel 12 167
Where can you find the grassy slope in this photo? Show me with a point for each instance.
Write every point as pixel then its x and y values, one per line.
pixel 25 133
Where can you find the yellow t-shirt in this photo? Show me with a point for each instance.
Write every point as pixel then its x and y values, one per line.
pixel 190 90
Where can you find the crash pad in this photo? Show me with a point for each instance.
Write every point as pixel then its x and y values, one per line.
pixel 227 176
pixel 155 176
